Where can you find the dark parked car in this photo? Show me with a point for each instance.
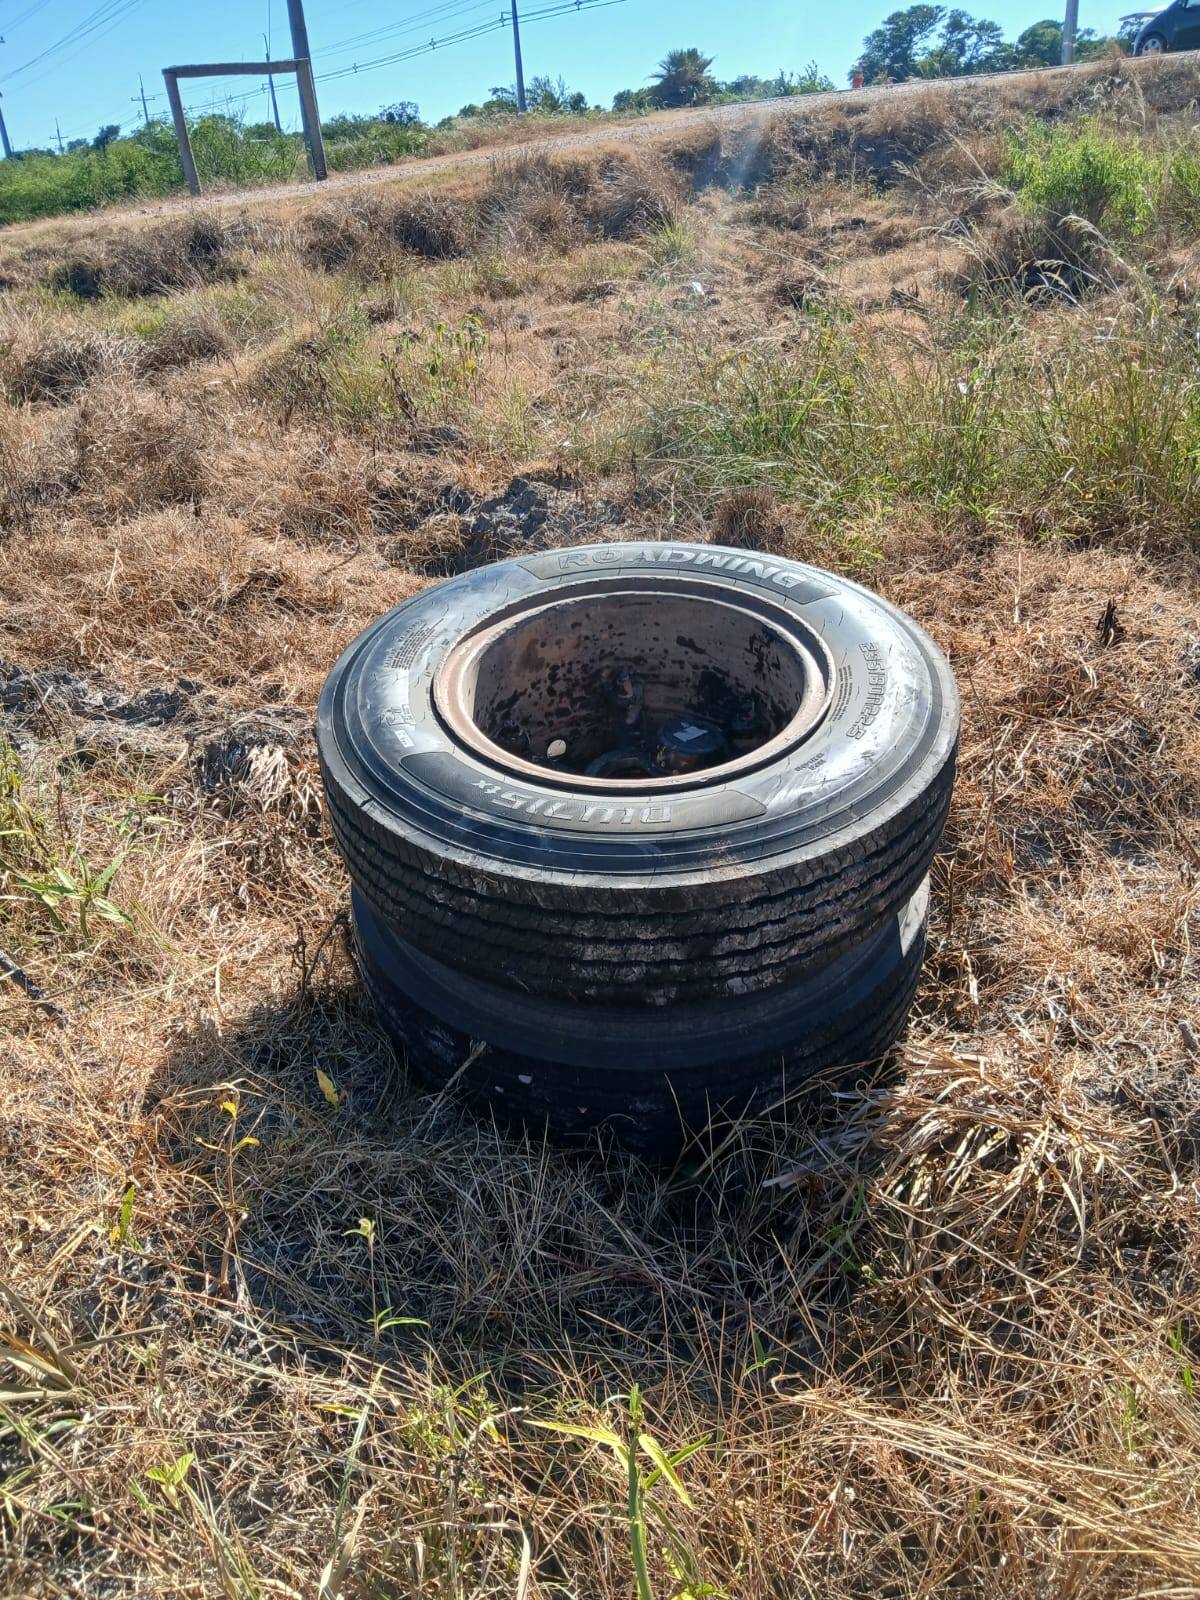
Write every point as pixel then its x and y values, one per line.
pixel 1176 28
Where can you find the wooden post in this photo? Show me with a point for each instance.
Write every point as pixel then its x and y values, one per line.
pixel 312 122
pixel 225 69
pixel 181 130
pixel 309 117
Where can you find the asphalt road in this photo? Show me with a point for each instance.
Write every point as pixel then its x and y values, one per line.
pixel 658 125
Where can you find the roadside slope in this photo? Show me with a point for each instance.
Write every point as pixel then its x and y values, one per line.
pixel 655 127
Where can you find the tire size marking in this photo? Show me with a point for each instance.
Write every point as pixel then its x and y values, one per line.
pixel 408 646
pixel 844 690
pixel 573 809
pixel 876 689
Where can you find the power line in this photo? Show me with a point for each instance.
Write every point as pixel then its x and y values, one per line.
pixel 495 25
pixel 417 50
pixel 114 9
pixel 87 44
pixel 110 10
pixel 499 22
pixel 13 23
pixel 502 21
pixel 414 23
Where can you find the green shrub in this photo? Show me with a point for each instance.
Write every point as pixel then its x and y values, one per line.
pixel 230 151
pixel 1084 171
pixel 367 142
pixel 46 185
pixel 1180 199
pixel 227 150
pixel 335 372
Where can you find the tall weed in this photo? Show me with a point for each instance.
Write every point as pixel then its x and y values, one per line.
pixel 1098 434
pixel 1180 196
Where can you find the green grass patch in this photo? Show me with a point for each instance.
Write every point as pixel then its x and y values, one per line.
pixel 226 151
pixel 1085 171
pixel 371 143
pixel 1179 199
pixel 1098 435
pixel 361 379
pixel 51 882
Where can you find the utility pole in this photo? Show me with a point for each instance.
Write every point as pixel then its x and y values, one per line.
pixel 4 128
pixel 516 26
pixel 309 118
pixel 271 87
pixel 1070 26
pixel 58 136
pixel 141 95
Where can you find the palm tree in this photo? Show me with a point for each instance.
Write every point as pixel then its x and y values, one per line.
pixel 683 80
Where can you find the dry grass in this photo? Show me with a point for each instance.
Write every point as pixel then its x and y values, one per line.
pixel 747 519
pixel 934 1331
pixel 529 202
pixel 196 333
pixel 176 255
pixel 44 364
pixel 136 450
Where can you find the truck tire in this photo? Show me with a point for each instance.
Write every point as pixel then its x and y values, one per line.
pixel 647 1079
pixel 456 732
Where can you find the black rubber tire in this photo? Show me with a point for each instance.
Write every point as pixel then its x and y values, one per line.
pixel 648 1081
pixel 718 887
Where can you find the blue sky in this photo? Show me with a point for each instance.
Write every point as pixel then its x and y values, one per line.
pixel 94 79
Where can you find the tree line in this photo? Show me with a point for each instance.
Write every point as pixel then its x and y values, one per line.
pixel 930 41
pixel 681 79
